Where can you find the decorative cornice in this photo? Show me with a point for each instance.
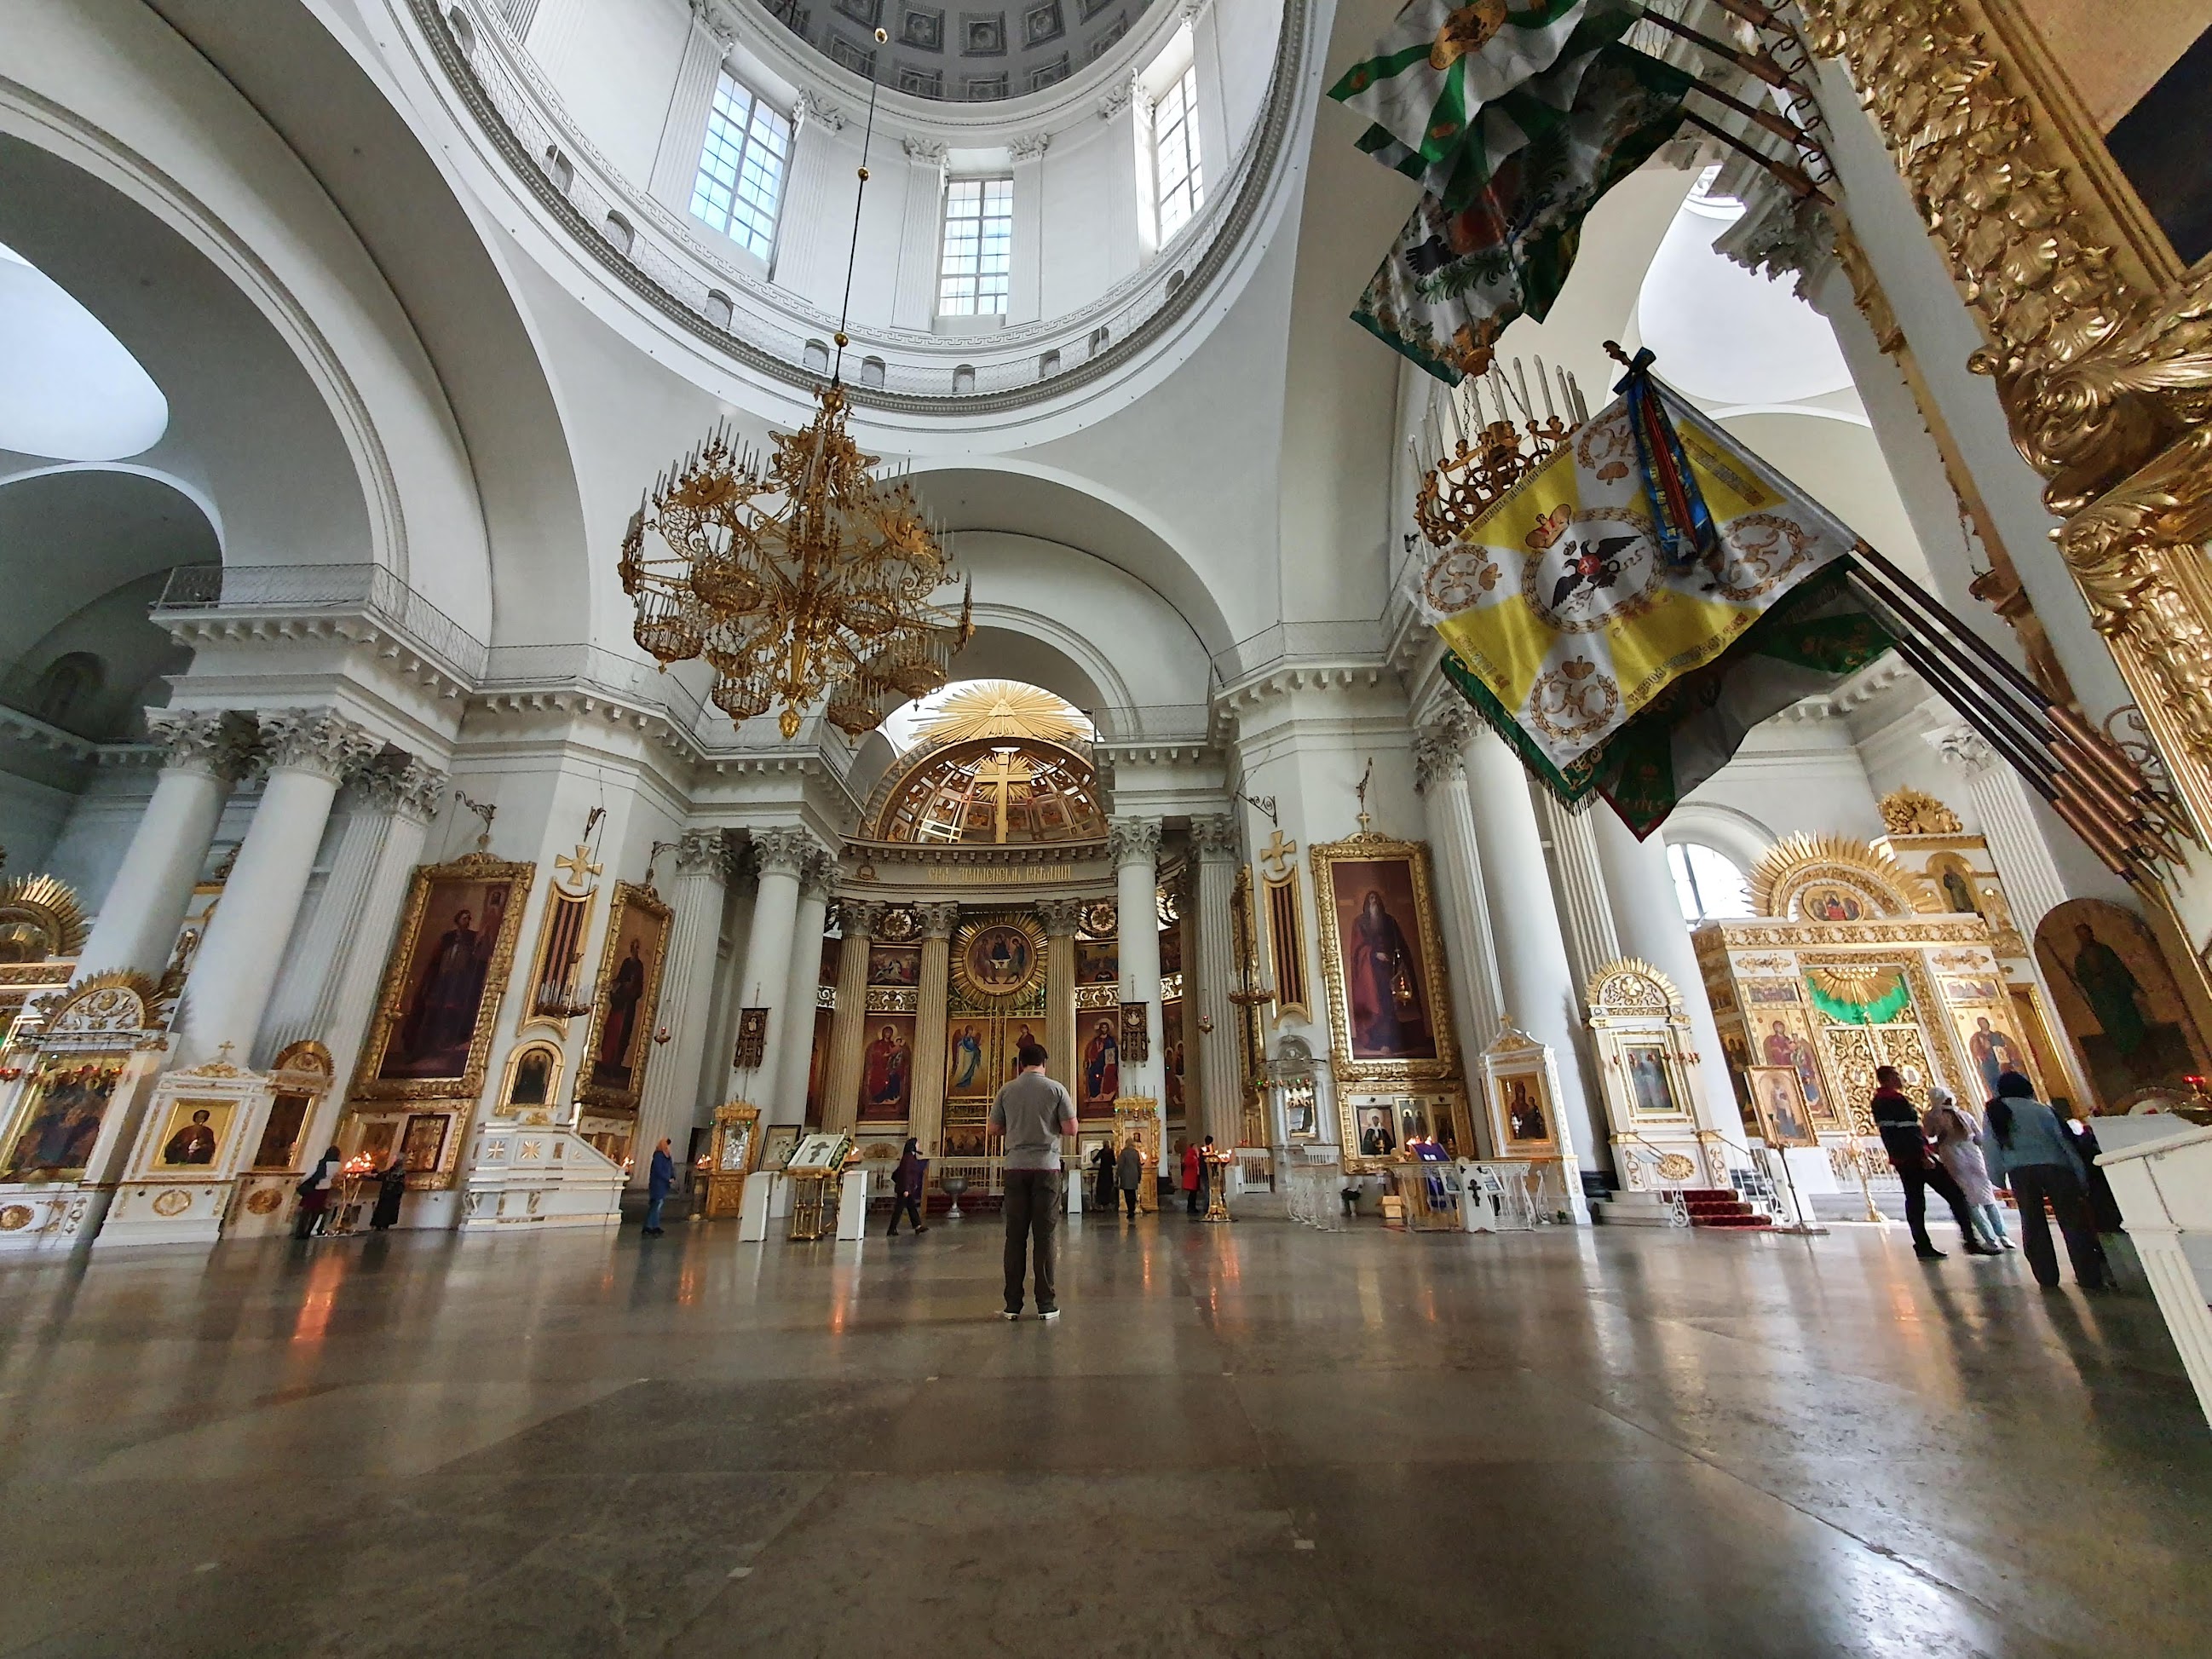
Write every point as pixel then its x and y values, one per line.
pixel 1133 840
pixel 315 740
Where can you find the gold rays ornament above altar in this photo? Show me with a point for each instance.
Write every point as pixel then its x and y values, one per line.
pixel 1004 709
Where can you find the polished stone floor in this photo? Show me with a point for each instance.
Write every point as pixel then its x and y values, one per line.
pixel 1248 1440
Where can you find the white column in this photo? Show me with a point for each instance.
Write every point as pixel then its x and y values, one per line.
pixel 1135 845
pixel 1061 917
pixel 1537 986
pixel 1213 110
pixel 146 902
pixel 1025 278
pixel 683 127
pixel 307 1003
pixel 925 1116
pixel 1209 976
pixel 349 998
pixel 670 1103
pixel 848 1026
pixel 1650 919
pixel 1440 774
pixel 817 195
pixel 816 878
pixel 1592 939
pixel 765 981
pixel 2025 838
pixel 913 302
pixel 308 751
pixel 1123 235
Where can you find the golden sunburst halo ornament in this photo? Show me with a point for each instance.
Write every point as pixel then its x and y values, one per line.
pixel 1003 709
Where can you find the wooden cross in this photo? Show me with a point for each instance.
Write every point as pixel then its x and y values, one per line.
pixel 579 866
pixel 1277 856
pixel 1000 773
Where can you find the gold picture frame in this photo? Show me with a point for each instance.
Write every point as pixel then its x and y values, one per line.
pixel 394 1006
pixel 997 959
pixel 531 1079
pixel 638 918
pixel 1396 874
pixel 1779 1108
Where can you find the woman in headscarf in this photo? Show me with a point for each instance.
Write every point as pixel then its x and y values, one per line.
pixel 1102 1177
pixel 2024 1142
pixel 315 1194
pixel 905 1188
pixel 1947 1124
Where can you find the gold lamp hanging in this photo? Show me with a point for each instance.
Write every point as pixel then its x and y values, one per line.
pixel 800 574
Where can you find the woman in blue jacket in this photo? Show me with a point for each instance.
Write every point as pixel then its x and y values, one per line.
pixel 2024 1145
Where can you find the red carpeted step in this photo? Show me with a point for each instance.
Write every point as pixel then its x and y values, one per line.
pixel 1719 1206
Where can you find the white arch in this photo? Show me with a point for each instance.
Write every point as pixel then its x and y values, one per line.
pixel 1742 838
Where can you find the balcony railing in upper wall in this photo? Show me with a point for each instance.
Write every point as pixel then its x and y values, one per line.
pixel 648 249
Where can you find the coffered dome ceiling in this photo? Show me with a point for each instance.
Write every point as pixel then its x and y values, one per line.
pixel 957 54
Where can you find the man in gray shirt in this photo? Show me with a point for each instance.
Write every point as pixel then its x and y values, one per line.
pixel 1032 1113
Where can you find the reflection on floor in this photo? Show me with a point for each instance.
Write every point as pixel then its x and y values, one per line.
pixel 1255 1440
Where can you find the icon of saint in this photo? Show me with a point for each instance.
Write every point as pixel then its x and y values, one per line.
pixel 193 1144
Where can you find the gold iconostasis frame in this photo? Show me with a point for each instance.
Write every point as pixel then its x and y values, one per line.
pixel 2100 333
pixel 1846 926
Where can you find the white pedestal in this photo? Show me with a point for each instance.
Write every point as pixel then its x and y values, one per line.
pixel 852 1206
pixel 531 1177
pixel 759 1203
pixel 1071 1190
pixel 2165 1191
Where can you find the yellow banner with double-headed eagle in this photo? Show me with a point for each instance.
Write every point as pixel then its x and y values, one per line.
pixel 1562 603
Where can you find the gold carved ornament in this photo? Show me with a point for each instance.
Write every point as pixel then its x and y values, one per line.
pixel 1909 812
pixel 2100 347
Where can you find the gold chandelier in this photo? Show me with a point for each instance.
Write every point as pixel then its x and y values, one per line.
pixel 1471 450
pixel 799 574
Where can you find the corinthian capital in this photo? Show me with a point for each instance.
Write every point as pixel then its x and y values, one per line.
pixel 1440 749
pixel 422 787
pixel 202 740
pixel 782 850
pixel 927 151
pixel 938 920
pixel 1963 746
pixel 314 740
pixel 811 108
pixel 1133 840
pixel 859 917
pixel 1061 917
pixel 818 876
pixel 703 853
pixel 1214 838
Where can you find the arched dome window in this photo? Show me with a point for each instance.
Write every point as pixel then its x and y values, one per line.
pixel 1708 884
pixel 68 684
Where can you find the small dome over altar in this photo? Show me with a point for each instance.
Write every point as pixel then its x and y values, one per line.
pixel 989 763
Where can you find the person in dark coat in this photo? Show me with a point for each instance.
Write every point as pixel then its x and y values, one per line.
pixel 2104 1207
pixel 657 1186
pixel 1909 1155
pixel 1129 1175
pixel 315 1194
pixel 905 1188
pixel 1102 1163
pixel 390 1187
pixel 2024 1137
